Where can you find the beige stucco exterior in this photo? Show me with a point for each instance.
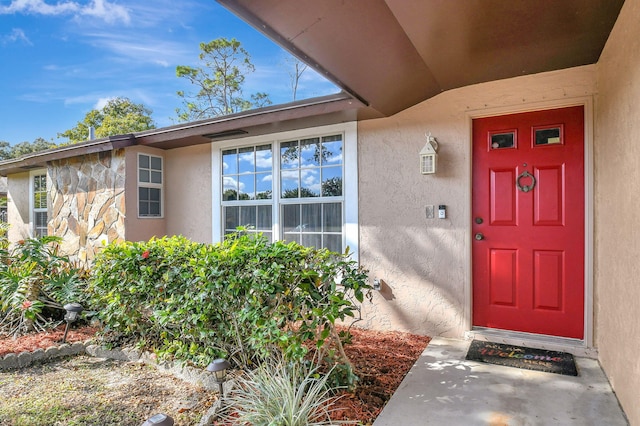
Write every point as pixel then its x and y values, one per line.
pixel 617 209
pixel 188 210
pixel 18 206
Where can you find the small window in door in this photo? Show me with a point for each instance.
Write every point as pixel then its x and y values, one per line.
pixel 548 135
pixel 502 140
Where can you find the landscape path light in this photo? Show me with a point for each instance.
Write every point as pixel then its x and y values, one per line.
pixel 73 312
pixel 159 420
pixel 219 369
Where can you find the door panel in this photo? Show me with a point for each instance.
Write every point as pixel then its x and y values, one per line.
pixel 528 210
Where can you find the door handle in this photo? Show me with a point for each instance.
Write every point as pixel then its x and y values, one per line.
pixel 479 236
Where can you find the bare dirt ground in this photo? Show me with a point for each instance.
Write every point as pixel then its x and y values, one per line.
pixel 89 391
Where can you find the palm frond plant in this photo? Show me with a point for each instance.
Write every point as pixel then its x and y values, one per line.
pixel 34 278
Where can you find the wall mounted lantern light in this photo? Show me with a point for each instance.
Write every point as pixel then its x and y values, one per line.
pixel 73 312
pixel 429 156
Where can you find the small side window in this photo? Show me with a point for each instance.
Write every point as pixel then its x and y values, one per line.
pixel 150 181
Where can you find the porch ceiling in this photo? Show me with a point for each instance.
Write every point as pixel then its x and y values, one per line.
pixel 393 54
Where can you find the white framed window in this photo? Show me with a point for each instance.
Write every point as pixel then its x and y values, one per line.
pixel 39 216
pixel 150 186
pixel 294 186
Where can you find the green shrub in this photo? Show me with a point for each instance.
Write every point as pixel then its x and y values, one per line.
pixel 243 298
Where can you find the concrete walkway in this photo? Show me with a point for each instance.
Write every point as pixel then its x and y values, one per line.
pixel 443 388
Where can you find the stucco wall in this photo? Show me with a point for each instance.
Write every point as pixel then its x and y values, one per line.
pixel 425 263
pixel 189 189
pixel 142 229
pixel 87 202
pixel 617 218
pixel 18 206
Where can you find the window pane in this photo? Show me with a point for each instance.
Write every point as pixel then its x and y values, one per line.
pixel 156 163
pixel 331 181
pixel 231 218
pixel 291 238
pixel 246 160
pixel 230 188
pixel 156 177
pixel 264 186
pixel 264 158
pixel 40 200
pixel 248 216
pixel 503 140
pixel 290 184
pixel 154 208
pixel 265 221
pixel 310 152
pixel 310 185
pixel 143 208
pixel 229 162
pixel 143 161
pixel 312 240
pixel 312 217
pixel 289 155
pixel 548 136
pixel 247 189
pixel 291 217
pixel 332 150
pixel 144 176
pixel 332 217
pixel 268 236
pixel 143 194
pixel 40 219
pixel 39 183
pixel 154 194
pixel 333 243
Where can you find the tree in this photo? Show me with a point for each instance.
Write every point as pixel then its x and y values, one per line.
pixel 7 151
pixel 295 68
pixel 119 116
pixel 219 81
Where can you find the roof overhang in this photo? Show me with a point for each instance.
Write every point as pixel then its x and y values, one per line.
pixel 393 54
pixel 332 109
pixel 37 160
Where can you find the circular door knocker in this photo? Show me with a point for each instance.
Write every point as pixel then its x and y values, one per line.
pixel 526 188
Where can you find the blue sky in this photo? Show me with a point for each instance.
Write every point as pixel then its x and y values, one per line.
pixel 59 59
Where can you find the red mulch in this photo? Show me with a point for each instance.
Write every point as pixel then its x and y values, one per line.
pixel 35 341
pixel 381 359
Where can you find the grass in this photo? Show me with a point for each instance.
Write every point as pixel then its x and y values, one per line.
pixel 89 391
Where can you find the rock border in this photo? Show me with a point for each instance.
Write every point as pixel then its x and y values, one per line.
pixel 186 373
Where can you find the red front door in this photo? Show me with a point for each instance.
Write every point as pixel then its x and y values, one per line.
pixel 528 222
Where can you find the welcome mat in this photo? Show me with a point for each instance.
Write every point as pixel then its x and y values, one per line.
pixel 521 357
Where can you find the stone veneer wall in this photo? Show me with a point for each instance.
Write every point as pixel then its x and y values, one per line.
pixel 88 202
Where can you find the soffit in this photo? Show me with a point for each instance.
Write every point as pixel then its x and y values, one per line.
pixel 393 54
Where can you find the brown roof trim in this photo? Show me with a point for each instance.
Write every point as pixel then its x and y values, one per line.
pixel 39 159
pixel 258 121
pixel 240 124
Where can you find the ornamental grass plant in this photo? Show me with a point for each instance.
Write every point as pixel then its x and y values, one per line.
pixel 281 393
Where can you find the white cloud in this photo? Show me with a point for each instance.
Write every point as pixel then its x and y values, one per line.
pixel 140 48
pixel 101 9
pixel 14 36
pixel 102 102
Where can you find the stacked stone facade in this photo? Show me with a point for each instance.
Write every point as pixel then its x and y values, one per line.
pixel 87 202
